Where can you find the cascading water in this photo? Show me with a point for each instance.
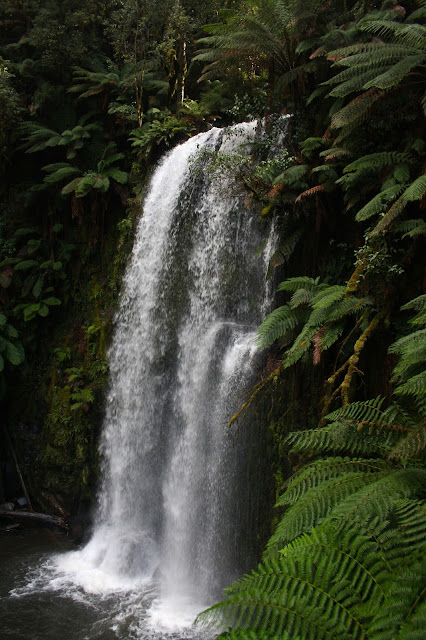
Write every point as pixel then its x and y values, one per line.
pixel 173 511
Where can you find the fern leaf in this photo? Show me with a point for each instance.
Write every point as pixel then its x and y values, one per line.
pixel 395 210
pixel 331 334
pixel 284 251
pixel 378 496
pixel 339 437
pixel 378 160
pixel 314 474
pixel 314 506
pixel 299 282
pixel 393 76
pixel 403 614
pixel 416 190
pixel 362 411
pixel 377 204
pixel 357 110
pixel 278 324
pixel 412 445
pixel 60 174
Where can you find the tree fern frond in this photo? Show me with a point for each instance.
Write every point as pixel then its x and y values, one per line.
pixel 336 438
pixel 284 251
pixel 378 496
pixel 403 614
pixel 412 35
pixel 330 335
pixel 247 634
pixel 377 204
pixel 357 110
pixel 415 303
pixel 416 190
pixel 312 475
pixel 355 82
pixel 361 411
pixel 378 160
pixel 299 282
pixel 412 445
pixel 393 76
pixel 418 15
pixel 278 324
pixel 314 505
pixel 294 601
pixel 336 310
pixel 412 228
pixel 409 344
pixel 61 173
pixel 301 297
pixel 392 213
pixel 414 386
pixel 328 296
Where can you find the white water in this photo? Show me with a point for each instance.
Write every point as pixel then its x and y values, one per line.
pixel 174 508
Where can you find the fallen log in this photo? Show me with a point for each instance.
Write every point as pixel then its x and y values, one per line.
pixel 33 517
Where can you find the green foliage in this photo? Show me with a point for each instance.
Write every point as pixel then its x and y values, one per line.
pixel 347 558
pixel 319 311
pixel 159 132
pixel 11 349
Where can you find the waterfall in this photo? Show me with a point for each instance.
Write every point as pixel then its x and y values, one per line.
pixel 174 504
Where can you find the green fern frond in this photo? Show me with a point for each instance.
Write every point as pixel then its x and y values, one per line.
pixel 392 213
pixel 412 228
pixel 59 174
pixel 294 602
pixel 339 438
pixel 415 385
pixel 314 505
pixel 355 82
pixel 299 282
pixel 312 475
pixel 402 616
pixel 413 444
pixel 415 303
pixel 284 251
pixel 380 201
pixel 378 496
pixel 418 15
pixel 357 110
pixel 301 297
pixel 362 411
pixel 247 634
pixel 330 309
pixel 278 324
pixel 378 160
pixel 331 334
pixel 393 76
pixel 416 190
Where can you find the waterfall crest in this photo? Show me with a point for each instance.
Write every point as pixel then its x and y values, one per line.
pixel 173 503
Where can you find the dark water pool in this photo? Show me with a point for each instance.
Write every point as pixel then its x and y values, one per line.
pixel 40 601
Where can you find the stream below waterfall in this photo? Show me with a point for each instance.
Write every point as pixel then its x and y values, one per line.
pixel 178 504
pixel 39 602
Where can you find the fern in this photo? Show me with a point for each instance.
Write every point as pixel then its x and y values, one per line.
pixel 379 203
pixel 278 324
pixel 317 472
pixel 416 190
pixel 315 505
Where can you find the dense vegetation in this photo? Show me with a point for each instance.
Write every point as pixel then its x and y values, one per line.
pixel 94 93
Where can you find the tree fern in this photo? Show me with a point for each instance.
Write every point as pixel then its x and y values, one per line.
pixel 279 324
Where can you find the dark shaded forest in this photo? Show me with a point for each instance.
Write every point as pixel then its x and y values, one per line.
pixel 91 95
